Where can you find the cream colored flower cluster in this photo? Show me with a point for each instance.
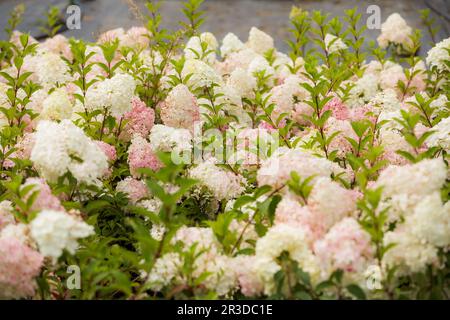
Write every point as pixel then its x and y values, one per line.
pixel 63 147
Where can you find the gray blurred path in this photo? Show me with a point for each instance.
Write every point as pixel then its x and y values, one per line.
pixel 223 16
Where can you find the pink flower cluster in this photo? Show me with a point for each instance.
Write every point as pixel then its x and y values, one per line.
pixel 346 246
pixel 139 120
pixel 19 265
pixel 135 189
pixel 180 109
pixel 45 198
pixel 108 149
pixel 141 155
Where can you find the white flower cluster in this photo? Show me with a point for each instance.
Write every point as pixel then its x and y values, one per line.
pixel 56 231
pixel 63 147
pixel 223 184
pixel 113 94
pixel 242 81
pixel 363 90
pixel 19 232
pixel 49 68
pixel 276 170
pixel 167 139
pixel 419 179
pixel 165 270
pixel 430 220
pixel 332 200
pixel 437 55
pixel 283 238
pixel 441 135
pixel 385 101
pixel 395 30
pixel 231 43
pixel 207 52
pixel 412 192
pixel 209 264
pixel 259 41
pixel 201 74
pixel 56 106
pixel 333 43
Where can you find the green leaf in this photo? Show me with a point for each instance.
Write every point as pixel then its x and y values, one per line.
pixel 356 291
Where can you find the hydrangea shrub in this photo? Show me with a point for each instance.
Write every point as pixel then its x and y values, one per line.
pixel 170 165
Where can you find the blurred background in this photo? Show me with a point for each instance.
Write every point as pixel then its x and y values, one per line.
pixel 223 16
